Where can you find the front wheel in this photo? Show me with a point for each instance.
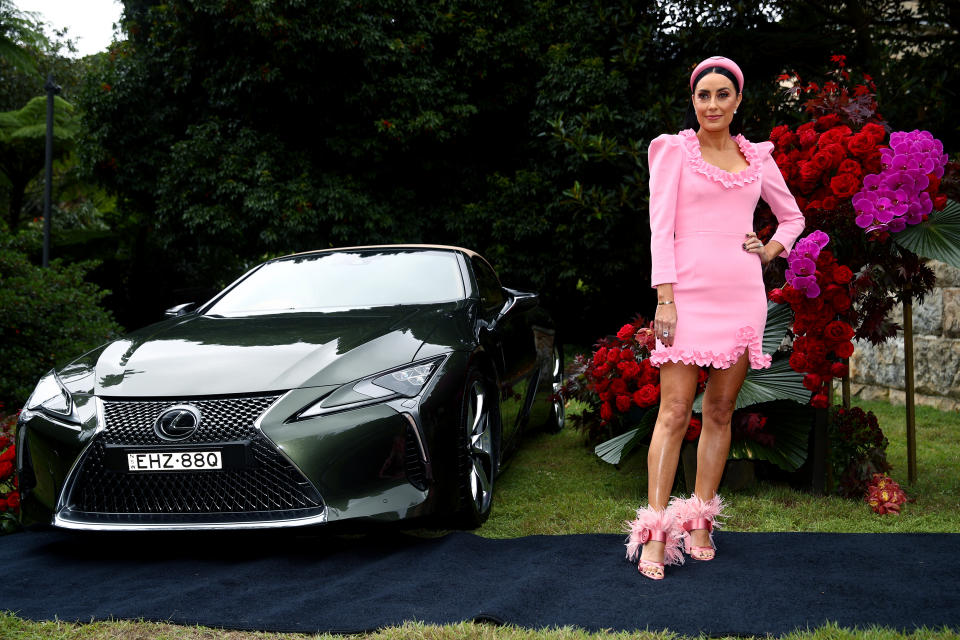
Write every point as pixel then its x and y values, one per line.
pixel 558 411
pixel 478 450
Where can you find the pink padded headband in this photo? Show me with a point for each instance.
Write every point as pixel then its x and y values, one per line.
pixel 718 61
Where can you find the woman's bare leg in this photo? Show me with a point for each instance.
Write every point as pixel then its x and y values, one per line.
pixel 719 399
pixel 678 388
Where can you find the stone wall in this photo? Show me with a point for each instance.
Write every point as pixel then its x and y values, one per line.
pixel 877 372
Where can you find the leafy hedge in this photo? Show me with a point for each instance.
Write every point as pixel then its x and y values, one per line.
pixel 49 317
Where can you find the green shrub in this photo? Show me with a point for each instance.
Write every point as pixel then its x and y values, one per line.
pixel 49 317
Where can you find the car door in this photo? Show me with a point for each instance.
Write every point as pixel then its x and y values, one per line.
pixel 509 335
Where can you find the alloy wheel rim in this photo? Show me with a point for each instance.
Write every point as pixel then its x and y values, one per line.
pixel 559 407
pixel 479 447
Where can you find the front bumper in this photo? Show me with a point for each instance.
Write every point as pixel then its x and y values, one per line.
pixel 366 462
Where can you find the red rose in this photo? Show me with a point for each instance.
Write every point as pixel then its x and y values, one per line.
pixel 940 202
pixel 875 131
pixel 806 126
pixel 808 137
pixel 811 381
pixel 798 362
pixel 822 161
pixel 601 385
pixel 861 145
pixel 776 296
pixel 844 349
pixel 819 401
pixel 599 356
pixel 618 386
pixel 646 396
pixel 613 355
pixel 626 332
pixel 778 131
pixel 606 411
pixel 840 302
pixel 8 454
pixel 602 370
pixel 5 469
pixel 627 354
pixel 839 370
pixel 3 504
pixel 824 259
pixel 838 331
pixel 850 166
pixel 793 296
pixel 873 163
pixel 13 500
pixel 835 135
pixel 827 121
pixel 629 369
pixel 623 403
pixel 934 185
pixel 842 274
pixel 830 203
pixel 4 440
pixel 844 185
pixel 693 429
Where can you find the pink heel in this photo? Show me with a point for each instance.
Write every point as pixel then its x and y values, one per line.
pixel 695 514
pixel 658 526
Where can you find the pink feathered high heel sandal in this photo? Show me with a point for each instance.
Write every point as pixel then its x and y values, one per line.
pixel 658 526
pixel 695 514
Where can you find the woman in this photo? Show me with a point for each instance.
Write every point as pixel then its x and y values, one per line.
pixel 711 303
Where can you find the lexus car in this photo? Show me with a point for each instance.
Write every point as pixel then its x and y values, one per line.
pixel 372 383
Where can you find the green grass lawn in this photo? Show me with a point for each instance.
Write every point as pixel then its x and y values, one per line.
pixel 555 485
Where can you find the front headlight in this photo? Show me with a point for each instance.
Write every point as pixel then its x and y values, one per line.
pixel 407 382
pixel 52 398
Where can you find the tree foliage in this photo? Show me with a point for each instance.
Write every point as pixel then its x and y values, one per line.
pixel 49 316
pixel 234 130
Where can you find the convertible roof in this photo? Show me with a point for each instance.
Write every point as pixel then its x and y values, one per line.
pixel 394 246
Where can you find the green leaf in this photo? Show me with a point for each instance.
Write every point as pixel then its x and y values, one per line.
pixel 938 238
pixel 615 449
pixel 790 427
pixel 779 319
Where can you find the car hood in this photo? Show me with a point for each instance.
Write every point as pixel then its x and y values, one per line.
pixel 203 355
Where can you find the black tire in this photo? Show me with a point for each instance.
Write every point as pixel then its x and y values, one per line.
pixel 478 449
pixel 558 412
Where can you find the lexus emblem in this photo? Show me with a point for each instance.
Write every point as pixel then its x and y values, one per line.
pixel 177 423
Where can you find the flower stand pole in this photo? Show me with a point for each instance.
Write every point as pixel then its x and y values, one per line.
pixel 908 385
pixel 820 451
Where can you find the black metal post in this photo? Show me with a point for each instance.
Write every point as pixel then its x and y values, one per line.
pixel 52 89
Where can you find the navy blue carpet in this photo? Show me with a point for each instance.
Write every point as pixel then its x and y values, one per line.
pixel 760 583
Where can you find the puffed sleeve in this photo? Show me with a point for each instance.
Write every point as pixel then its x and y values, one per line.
pixel 774 192
pixel 665 158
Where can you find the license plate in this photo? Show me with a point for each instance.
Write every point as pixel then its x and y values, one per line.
pixel 174 460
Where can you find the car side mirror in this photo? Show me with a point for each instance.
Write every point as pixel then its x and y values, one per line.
pixel 180 309
pixel 519 300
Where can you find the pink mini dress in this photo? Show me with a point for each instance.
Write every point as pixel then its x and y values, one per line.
pixel 699 217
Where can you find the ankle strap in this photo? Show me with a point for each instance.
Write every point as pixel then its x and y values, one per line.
pixel 698 523
pixel 657 535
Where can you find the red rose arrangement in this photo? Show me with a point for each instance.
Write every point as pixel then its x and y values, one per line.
pixel 884 495
pixel 617 379
pixel 819 291
pixel 750 425
pixel 9 495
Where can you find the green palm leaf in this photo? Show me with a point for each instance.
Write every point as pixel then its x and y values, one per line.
pixel 779 382
pixel 615 449
pixel 790 427
pixel 938 238
pixel 779 319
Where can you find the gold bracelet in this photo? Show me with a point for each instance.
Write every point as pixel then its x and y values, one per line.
pixel 661 302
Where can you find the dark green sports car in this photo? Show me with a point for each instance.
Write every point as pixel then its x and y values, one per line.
pixel 372 382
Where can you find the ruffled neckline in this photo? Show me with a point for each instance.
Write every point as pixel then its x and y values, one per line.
pixel 727 179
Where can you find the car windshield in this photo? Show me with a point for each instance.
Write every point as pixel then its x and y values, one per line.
pixel 345 280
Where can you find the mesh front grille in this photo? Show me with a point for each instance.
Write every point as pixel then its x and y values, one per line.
pixel 221 419
pixel 265 487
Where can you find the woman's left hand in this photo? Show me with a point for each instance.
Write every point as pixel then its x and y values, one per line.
pixel 752 244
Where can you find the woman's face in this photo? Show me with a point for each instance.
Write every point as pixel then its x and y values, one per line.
pixel 715 101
